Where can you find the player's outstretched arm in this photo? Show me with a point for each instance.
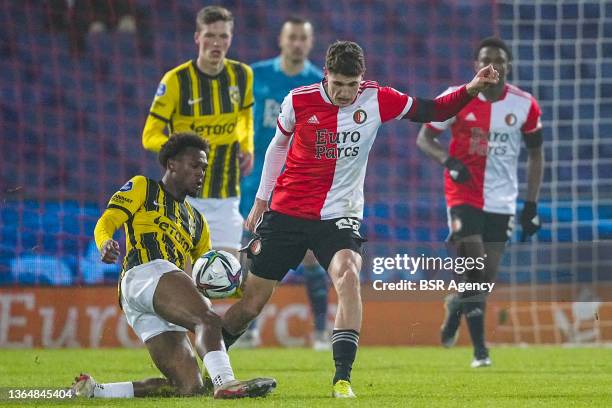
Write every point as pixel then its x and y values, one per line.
pixel 448 105
pixel 486 77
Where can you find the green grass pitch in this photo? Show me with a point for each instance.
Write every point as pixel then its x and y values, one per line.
pixel 400 377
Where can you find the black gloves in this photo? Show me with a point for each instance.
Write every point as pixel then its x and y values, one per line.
pixel 530 222
pixel 457 170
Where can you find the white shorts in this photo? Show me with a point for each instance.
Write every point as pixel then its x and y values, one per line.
pixel 137 290
pixel 224 220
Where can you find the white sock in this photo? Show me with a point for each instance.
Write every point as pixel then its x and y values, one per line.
pixel 114 390
pixel 218 365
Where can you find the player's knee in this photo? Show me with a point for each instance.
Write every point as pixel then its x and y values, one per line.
pixel 186 387
pixel 348 282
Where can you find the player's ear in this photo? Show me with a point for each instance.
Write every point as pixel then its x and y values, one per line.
pixel 476 66
pixel 196 37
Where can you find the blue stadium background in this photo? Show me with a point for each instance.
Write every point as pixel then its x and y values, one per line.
pixel 71 119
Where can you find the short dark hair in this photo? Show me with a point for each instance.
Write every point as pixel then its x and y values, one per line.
pixel 212 14
pixel 178 142
pixel 493 42
pixel 345 58
pixel 296 20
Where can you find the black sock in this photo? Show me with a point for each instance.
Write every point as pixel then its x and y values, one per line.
pixel 344 346
pixel 229 338
pixel 474 312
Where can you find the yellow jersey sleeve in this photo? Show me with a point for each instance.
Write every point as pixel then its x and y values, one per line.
pixel 160 115
pixel 109 222
pixel 122 206
pixel 130 197
pixel 204 244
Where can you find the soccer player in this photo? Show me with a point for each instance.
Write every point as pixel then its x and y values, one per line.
pixel 481 182
pixel 212 96
pixel 160 301
pixel 274 78
pixel 316 166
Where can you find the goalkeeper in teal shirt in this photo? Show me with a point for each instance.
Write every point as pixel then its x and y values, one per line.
pixel 274 78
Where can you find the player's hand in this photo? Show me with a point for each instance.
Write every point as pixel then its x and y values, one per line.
pixel 109 252
pixel 486 77
pixel 245 160
pixel 530 222
pixel 457 171
pixel 259 207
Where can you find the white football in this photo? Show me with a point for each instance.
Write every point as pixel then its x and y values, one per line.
pixel 217 274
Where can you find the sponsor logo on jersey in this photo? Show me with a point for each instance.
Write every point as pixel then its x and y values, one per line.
pixel 161 90
pixel 120 199
pixel 342 142
pixel 127 186
pixel 171 230
pixel 234 93
pixel 470 116
pixel 360 116
pixel 207 130
pixel 510 119
pixel 484 143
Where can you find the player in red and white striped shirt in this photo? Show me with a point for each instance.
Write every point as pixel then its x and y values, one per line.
pixel 316 165
pixel 481 183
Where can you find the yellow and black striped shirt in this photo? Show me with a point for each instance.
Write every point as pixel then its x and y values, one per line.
pixel 219 108
pixel 157 226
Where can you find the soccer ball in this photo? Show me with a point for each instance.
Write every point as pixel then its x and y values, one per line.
pixel 217 274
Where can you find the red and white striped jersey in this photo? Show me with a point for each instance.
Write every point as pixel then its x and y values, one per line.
pixel 486 137
pixel 326 164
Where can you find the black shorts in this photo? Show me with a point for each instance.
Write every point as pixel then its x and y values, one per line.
pixel 283 241
pixel 465 220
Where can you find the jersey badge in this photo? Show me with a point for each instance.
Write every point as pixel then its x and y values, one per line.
pixel 360 116
pixel 127 186
pixel 510 119
pixel 161 90
pixel 234 93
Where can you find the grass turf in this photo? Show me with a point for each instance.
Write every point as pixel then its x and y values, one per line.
pixel 426 377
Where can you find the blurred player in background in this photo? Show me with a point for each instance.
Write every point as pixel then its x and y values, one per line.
pixel 212 96
pixel 481 183
pixel 316 165
pixel 160 301
pixel 274 78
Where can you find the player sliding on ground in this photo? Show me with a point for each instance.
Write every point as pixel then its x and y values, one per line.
pixel 316 166
pixel 164 233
